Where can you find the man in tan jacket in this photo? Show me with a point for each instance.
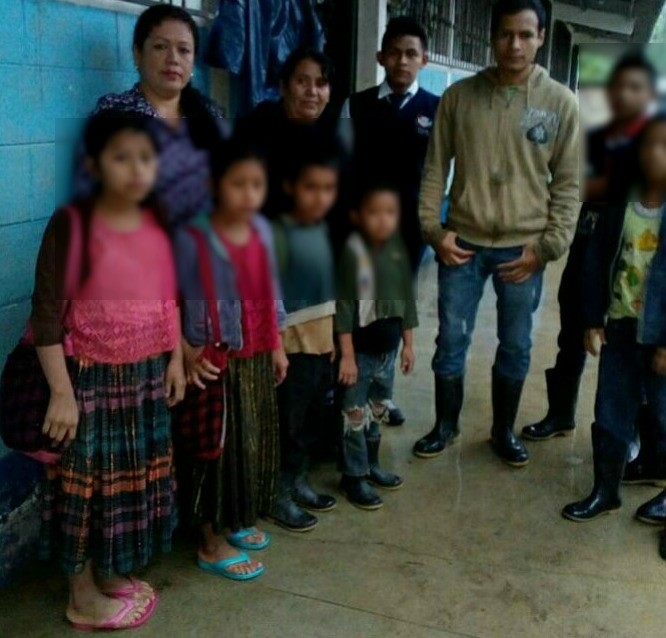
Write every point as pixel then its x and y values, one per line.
pixel 513 133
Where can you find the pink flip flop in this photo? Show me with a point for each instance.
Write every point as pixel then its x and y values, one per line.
pixel 135 586
pixel 116 623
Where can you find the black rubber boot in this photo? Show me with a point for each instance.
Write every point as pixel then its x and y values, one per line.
pixel 395 415
pixel 649 467
pixel 506 398
pixel 286 513
pixel 306 497
pixel 610 458
pixel 359 493
pixel 449 393
pixel 562 401
pixel 377 476
pixel 654 511
pixel 662 545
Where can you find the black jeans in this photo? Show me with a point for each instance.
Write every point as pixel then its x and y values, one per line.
pixel 303 407
pixel 571 355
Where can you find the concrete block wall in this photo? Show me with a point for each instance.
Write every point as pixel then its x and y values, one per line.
pixel 56 60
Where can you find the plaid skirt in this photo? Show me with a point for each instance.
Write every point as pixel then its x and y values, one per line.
pixel 236 489
pixel 112 497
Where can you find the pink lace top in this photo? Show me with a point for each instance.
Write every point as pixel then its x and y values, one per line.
pixel 255 288
pixel 126 310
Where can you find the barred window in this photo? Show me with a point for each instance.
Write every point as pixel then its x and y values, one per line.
pixel 458 30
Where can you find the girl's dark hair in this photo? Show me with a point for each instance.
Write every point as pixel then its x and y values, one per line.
pixel 634 61
pixel 202 124
pixel 306 53
pixel 233 152
pixel 503 8
pixel 100 129
pixel 402 26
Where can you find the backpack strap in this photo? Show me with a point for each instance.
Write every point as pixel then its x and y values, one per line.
pixel 207 281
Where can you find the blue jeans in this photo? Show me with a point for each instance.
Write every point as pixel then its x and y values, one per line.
pixel 460 291
pixel 625 380
pixel 373 386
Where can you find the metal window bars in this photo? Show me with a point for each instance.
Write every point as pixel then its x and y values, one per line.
pixel 204 8
pixel 458 30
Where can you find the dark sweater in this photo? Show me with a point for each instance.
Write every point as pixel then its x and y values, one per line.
pixel 390 145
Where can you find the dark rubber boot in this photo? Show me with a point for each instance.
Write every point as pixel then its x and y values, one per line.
pixel 286 513
pixel 306 497
pixel 449 393
pixel 506 398
pixel 359 493
pixel 654 511
pixel 377 476
pixel 610 458
pixel 662 545
pixel 562 402
pixel 649 467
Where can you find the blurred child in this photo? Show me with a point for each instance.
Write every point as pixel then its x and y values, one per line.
pixel 234 356
pixel 305 261
pixel 111 498
pixel 624 310
pixel 631 91
pixel 376 309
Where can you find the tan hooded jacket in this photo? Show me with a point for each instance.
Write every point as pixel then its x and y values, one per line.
pixel 516 179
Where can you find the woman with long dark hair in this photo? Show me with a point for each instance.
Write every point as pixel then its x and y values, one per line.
pixel 188 126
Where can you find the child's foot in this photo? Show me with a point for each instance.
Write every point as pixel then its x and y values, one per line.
pixel 359 493
pixel 383 479
pixel 249 538
pixel 125 586
pixel 98 611
pixel 224 551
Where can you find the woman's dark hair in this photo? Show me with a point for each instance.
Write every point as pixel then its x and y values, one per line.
pixel 233 152
pixel 503 8
pixel 402 26
pixel 634 61
pixel 202 124
pixel 306 53
pixel 154 16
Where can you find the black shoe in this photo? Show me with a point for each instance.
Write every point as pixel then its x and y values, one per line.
pixel 662 545
pixel 306 497
pixel 506 445
pixel 654 511
pixel 377 476
pixel 609 460
pixel 395 415
pixel 648 468
pixel 562 400
pixel 448 403
pixel 287 514
pixel 359 493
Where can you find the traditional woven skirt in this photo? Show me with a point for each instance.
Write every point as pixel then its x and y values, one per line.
pixel 112 498
pixel 239 487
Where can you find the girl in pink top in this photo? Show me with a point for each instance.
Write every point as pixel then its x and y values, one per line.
pixel 109 503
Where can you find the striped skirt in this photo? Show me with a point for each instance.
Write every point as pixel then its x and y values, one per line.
pixel 241 486
pixel 112 498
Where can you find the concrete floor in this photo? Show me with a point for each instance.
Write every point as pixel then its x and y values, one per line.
pixel 468 548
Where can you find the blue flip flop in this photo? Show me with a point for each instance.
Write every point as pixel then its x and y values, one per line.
pixel 237 539
pixel 221 568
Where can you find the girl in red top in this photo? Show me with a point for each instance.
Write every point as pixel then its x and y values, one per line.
pixel 110 500
pixel 232 488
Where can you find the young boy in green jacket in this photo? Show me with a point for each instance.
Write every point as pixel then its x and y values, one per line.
pixel 375 310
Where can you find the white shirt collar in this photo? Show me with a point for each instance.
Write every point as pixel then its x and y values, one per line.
pixel 385 90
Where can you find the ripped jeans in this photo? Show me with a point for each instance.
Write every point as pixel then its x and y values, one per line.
pixel 460 291
pixel 363 409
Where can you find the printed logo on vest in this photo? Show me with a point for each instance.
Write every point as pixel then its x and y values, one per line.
pixel 423 124
pixel 540 125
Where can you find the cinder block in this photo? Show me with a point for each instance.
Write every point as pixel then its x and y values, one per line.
pixel 42 181
pixel 15 163
pixel 21 105
pixel 19 245
pixel 100 39
pixel 60 35
pixel 12 36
